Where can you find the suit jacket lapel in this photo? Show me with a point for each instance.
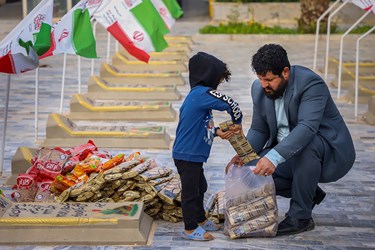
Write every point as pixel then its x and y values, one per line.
pixel 289 93
pixel 271 118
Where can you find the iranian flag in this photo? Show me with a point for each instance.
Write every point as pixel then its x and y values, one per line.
pixel 73 33
pixel 20 48
pixel 135 24
pixel 169 11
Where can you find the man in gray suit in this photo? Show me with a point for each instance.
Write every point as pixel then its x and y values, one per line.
pixel 299 132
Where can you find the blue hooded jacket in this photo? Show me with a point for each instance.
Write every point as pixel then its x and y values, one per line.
pixel 195 131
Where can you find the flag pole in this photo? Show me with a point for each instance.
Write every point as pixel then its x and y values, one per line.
pixel 63 85
pixel 92 60
pixel 108 46
pixel 342 51
pixel 5 125
pixel 36 103
pixel 79 74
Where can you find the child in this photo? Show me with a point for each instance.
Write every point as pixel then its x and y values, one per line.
pixel 194 137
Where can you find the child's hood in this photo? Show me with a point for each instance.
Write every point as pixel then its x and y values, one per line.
pixel 205 70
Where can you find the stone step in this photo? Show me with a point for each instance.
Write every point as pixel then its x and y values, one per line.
pixel 64 132
pixel 100 89
pixel 348 80
pixel 175 40
pixel 366 71
pixel 369 116
pixel 178 55
pixel 112 74
pixel 85 108
pixel 21 162
pixel 122 63
pixel 365 92
pixel 333 64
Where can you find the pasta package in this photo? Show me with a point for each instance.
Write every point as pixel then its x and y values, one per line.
pixel 123 167
pixel 240 144
pixel 258 225
pixel 155 173
pixel 171 190
pixel 140 168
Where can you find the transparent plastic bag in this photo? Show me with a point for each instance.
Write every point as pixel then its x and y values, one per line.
pixel 250 204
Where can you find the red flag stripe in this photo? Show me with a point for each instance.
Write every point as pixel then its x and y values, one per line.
pixel 117 32
pixel 7 64
pixel 51 49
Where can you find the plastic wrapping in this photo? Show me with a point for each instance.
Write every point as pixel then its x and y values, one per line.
pixel 250 204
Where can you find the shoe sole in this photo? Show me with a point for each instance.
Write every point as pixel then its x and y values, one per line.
pixel 296 232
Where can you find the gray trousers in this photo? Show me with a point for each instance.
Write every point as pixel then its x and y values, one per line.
pixel 298 177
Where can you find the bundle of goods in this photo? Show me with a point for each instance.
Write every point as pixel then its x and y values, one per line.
pixel 84 174
pixel 240 143
pixel 215 207
pixel 250 204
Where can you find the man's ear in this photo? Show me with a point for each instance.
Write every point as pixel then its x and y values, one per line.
pixel 285 73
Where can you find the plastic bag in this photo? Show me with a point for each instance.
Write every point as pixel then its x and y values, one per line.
pixel 250 204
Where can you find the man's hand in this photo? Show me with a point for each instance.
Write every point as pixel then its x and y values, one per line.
pixel 224 135
pixel 235 160
pixel 264 167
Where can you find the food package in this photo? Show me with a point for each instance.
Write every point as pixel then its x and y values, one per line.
pixel 161 180
pixel 43 194
pixel 240 143
pixel 123 167
pixel 82 151
pixel 49 163
pixel 258 226
pixel 116 160
pixel 171 190
pixel 215 206
pixel 155 173
pixel 252 209
pixel 140 168
pixel 26 188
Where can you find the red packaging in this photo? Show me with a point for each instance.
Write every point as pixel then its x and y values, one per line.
pixel 70 164
pixel 83 150
pixel 49 163
pixel 26 188
pixel 43 194
pixel 50 170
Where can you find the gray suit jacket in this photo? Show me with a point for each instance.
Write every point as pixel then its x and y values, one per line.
pixel 311 112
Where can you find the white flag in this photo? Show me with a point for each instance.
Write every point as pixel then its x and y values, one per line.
pixel 365 4
pixel 17 52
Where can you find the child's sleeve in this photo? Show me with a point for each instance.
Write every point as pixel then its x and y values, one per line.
pixel 218 101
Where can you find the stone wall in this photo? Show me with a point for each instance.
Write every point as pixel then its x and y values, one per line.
pixel 282 14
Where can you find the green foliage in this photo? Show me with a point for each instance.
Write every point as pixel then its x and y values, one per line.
pixel 245 28
pixel 236 27
pixel 311 29
pixel 359 30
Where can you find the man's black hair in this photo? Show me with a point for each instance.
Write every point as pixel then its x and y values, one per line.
pixel 270 57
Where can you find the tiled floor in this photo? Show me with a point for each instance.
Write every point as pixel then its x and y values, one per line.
pixel 346 218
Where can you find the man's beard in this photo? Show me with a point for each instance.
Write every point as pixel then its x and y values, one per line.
pixel 275 94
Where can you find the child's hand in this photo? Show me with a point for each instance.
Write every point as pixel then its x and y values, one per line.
pixel 224 135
